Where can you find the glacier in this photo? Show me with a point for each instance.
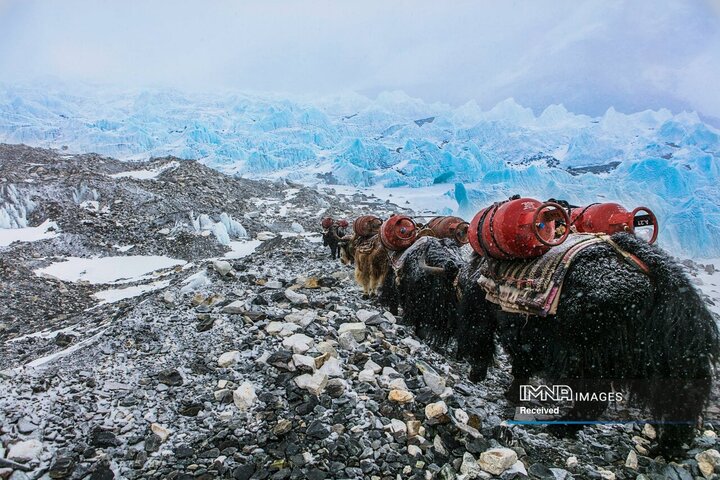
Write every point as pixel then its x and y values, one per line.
pixel 666 161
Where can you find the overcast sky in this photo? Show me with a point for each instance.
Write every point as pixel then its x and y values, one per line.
pixel 588 55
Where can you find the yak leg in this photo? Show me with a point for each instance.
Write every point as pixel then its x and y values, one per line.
pixel 361 278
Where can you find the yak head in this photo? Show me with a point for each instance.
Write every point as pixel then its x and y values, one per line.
pixel 440 258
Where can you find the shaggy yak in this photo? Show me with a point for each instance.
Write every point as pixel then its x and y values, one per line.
pixel 648 334
pixel 423 284
pixel 332 237
pixel 369 256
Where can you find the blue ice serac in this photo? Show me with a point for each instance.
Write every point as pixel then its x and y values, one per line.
pixel 665 161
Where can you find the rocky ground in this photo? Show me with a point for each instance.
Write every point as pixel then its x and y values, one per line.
pixel 242 363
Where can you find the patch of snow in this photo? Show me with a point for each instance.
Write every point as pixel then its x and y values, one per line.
pixel 151 174
pixel 47 229
pixel 242 248
pixel 115 294
pixel 62 353
pixel 43 334
pixel 114 270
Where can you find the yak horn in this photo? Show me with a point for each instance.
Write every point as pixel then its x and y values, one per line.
pixel 430 269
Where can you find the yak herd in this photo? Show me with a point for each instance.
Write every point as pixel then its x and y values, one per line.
pixel 625 317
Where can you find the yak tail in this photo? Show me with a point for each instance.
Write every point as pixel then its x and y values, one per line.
pixel 681 350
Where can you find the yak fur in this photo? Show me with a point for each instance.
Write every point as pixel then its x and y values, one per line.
pixel 429 300
pixel 615 327
pixel 371 260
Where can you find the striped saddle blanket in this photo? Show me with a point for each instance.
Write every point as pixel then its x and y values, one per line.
pixel 533 286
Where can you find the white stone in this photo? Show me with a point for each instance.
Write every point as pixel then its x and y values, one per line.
pixel 439 446
pixel 222 267
pixel 298 343
pixel 168 297
pixel 274 284
pixel 397 384
pixel 262 236
pixel 25 451
pixel 327 346
pixel 228 358
pixel 389 371
pixel 219 394
pixel 517 467
pixel 649 431
pixel 434 381
pixel 295 297
pixel 303 362
pixel 469 466
pixel 497 460
pixel 414 450
pixel 274 327
pixel 370 365
pixel 365 315
pixel 632 460
pixel 347 341
pixel 332 367
pixel 160 431
pixel 412 344
pixel 435 410
pixel 708 461
pixel 296 227
pixel 606 474
pixel 571 462
pixel 461 416
pixel 357 329
pixel 366 376
pixel 302 318
pixel 390 317
pixel 244 396
pixel 314 383
pixel 396 427
pixel 238 306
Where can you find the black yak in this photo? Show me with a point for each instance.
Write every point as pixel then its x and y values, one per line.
pixel 423 284
pixel 616 327
pixel 333 233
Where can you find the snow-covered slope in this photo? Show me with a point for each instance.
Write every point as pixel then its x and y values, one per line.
pixel 664 161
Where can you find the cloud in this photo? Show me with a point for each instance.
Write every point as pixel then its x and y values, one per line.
pixel 589 55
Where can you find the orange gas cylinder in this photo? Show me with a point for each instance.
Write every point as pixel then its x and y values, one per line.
pixel 367 225
pixel 398 232
pixel 342 223
pixel 518 228
pixel 612 218
pixel 449 227
pixel 326 222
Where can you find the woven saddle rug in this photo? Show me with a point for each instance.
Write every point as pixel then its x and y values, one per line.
pixel 533 286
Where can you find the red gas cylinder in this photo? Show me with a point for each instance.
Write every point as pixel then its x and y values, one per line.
pixel 342 223
pixel 398 232
pixel 520 228
pixel 449 227
pixel 612 218
pixel 367 225
pixel 326 222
